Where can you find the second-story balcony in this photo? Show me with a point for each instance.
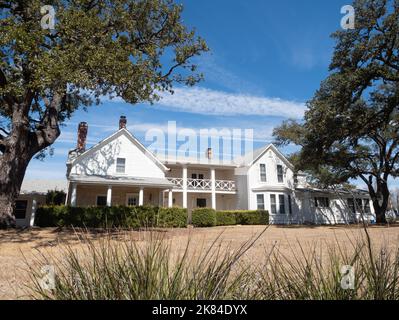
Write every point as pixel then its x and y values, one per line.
pixel 205 184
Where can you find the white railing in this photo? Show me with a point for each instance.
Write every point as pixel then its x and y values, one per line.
pixel 199 184
pixel 204 184
pixel 225 185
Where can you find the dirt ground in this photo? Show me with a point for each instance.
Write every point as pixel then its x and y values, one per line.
pixel 19 249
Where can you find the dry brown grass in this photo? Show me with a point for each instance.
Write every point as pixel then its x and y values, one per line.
pixel 20 247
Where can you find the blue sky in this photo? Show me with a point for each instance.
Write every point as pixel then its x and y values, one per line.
pixel 267 59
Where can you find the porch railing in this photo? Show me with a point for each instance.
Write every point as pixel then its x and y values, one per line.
pixel 204 184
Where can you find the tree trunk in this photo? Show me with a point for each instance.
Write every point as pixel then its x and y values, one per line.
pixel 380 203
pixel 12 172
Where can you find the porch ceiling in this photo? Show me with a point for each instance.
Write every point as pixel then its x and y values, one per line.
pixel 122 180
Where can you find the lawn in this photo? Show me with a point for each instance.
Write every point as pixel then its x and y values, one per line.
pixel 19 248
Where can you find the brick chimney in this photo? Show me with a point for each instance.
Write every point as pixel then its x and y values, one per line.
pixel 209 153
pixel 122 122
pixel 82 135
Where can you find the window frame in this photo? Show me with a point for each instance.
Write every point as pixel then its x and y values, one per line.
pixel 280 174
pixel 101 196
pixel 281 204
pixel 118 166
pixel 273 204
pixel 16 214
pixel 135 195
pixel 322 205
pixel 262 175
pixel 260 205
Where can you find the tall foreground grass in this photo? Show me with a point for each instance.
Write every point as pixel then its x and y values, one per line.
pixel 121 268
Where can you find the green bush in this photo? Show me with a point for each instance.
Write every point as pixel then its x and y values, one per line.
pixel 110 217
pixel 256 217
pixel 203 217
pixel 172 217
pixel 226 218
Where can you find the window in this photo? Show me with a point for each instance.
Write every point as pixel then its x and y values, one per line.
pixel 262 172
pixel 132 200
pixel 280 174
pixel 351 205
pixel 201 176
pixel 289 205
pixel 359 205
pixel 120 165
pixel 101 201
pixel 281 202
pixel 367 206
pixel 273 205
pixel 260 199
pixel 322 202
pixel 20 209
pixel 194 176
pixel 201 203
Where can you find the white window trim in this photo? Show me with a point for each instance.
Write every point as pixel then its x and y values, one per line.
pixel 116 166
pixel 136 195
pixel 260 173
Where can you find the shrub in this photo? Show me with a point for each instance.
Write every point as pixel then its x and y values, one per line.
pixel 203 217
pixel 226 218
pixel 257 217
pixel 110 217
pixel 172 217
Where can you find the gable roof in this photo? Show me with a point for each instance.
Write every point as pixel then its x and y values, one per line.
pixel 132 138
pixel 258 153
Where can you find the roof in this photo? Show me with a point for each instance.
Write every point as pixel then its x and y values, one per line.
pixel 73 155
pixel 342 191
pixel 122 180
pixel 43 186
pixel 250 158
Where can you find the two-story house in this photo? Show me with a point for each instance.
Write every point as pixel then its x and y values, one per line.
pixel 120 171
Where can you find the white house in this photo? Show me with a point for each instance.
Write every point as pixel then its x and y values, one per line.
pixel 120 171
pixel 33 195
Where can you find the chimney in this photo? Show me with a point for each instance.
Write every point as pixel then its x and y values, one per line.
pixel 209 153
pixel 82 135
pixel 122 122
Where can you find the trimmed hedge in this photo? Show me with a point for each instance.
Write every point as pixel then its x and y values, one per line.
pixel 203 217
pixel 206 217
pixel 111 217
pixel 256 217
pixel 226 218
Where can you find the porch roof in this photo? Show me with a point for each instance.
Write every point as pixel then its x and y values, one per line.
pixel 122 180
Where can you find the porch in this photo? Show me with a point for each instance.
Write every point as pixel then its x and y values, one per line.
pixel 122 191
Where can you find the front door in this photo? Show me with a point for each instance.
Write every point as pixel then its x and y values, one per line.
pixel 132 199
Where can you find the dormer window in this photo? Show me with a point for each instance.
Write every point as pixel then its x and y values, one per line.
pixel 120 165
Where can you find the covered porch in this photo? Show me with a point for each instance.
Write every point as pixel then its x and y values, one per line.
pixel 121 191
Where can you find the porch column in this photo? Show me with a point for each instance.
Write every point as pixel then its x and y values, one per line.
pixel 170 198
pixel 33 212
pixel 185 187
pixel 73 195
pixel 109 196
pixel 213 188
pixel 141 196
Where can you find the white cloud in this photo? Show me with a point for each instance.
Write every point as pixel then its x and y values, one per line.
pixel 211 102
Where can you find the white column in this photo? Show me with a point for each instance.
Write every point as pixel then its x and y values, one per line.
pixel 73 195
pixel 109 196
pixel 185 187
pixel 141 197
pixel 213 185
pixel 33 212
pixel 170 198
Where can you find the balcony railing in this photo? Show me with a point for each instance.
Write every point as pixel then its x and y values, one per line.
pixel 204 184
